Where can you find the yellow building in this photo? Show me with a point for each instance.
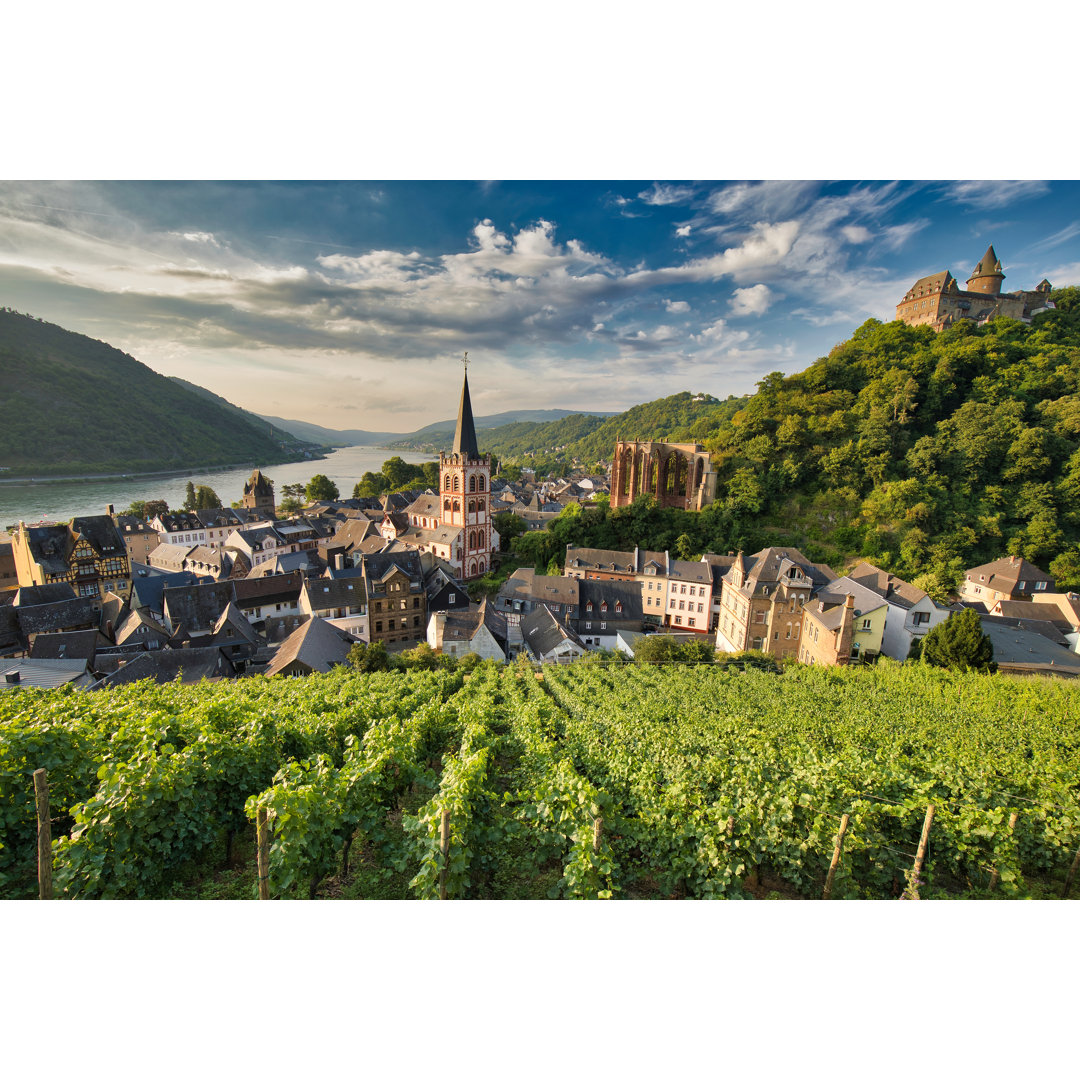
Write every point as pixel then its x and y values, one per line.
pixel 89 554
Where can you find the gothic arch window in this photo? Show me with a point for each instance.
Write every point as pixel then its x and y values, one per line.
pixel 457 482
pixel 446 504
pixel 472 483
pixel 480 482
pixel 624 486
pixel 446 483
pixel 639 472
pixel 654 465
pixel 457 506
pixel 671 473
pixel 472 568
pixel 681 482
pixel 699 473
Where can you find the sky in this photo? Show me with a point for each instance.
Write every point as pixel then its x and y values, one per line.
pixel 350 304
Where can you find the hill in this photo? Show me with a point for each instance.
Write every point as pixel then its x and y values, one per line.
pixel 324 436
pixel 76 406
pixel 259 423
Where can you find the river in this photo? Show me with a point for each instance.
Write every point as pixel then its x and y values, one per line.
pixel 62 500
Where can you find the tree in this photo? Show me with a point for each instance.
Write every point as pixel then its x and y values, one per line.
pixel 370 486
pixel 1065 570
pixel 398 473
pixel 321 488
pixel 508 526
pixel 684 548
pixel 368 658
pixel 960 644
pixel 289 506
pixel 189 496
pixel 293 491
pixel 665 649
pixel 147 508
pixel 206 498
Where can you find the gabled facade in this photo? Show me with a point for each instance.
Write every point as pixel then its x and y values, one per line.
pixel 397 602
pixel 259 495
pixel 1010 578
pixel 911 614
pixel 89 554
pixel 761 603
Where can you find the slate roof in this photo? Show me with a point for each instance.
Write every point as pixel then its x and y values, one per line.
pixel 542 633
pixel 719 565
pixel 465 430
pixel 50 546
pixel 30 595
pixel 288 563
pixel 197 607
pixel 148 591
pixel 323 593
pixel 66 615
pixel 233 618
pixel 932 283
pixel 1021 649
pixel 526 584
pixel 170 557
pixel 426 506
pixel 258 484
pixel 168 665
pixel 465 625
pixel 378 567
pixel 74 645
pixel 252 592
pixel 625 593
pixel 42 674
pixel 771 565
pixel 133 625
pixel 352 532
pixel 866 600
pixel 9 628
pixel 600 559
pixel 101 533
pixel 1003 575
pixel 317 645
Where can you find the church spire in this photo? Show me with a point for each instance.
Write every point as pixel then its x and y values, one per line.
pixel 987 275
pixel 465 433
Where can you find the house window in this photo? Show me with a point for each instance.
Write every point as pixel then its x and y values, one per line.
pixel 682 605
pixel 603 626
pixel 451 598
pixel 689 622
pixel 920 617
pixel 1040 585
pixel 866 624
pixel 378 628
pixel 678 620
pixel 588 626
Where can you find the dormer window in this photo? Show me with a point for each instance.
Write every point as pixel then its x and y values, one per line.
pixel 588 606
pixel 618 605
pixel 603 606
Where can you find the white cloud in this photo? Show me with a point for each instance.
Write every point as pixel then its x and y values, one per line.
pixel 683 230
pixel 754 300
pixel 856 234
pixel 676 307
pixel 720 334
pixel 666 195
pixel 993 194
pixel 1067 274
pixel 895 237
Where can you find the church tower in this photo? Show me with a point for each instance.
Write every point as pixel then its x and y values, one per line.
pixel 987 276
pixel 465 491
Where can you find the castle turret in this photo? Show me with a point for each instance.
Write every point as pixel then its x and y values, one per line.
pixel 987 275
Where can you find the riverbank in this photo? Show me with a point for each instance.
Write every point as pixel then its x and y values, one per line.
pixel 89 477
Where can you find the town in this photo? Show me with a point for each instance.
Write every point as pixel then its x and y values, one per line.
pixel 222 593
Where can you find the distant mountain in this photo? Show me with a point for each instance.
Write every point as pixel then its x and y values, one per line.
pixel 325 436
pixel 72 405
pixel 259 423
pixel 434 434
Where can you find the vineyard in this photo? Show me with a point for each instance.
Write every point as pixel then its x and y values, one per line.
pixel 631 782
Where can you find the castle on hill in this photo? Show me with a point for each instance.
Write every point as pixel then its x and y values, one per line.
pixel 938 301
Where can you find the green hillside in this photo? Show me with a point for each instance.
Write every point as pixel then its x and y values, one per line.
pixel 74 405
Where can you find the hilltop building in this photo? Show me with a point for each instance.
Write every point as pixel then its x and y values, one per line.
pixel 677 474
pixel 938 301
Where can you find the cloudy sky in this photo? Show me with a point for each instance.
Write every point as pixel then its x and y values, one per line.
pixel 350 304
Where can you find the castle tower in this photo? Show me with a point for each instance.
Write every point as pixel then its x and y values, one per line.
pixel 465 491
pixel 259 495
pixel 987 276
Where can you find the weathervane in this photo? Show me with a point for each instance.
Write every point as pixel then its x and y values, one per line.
pixel 465 361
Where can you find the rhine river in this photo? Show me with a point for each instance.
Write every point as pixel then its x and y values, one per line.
pixel 62 500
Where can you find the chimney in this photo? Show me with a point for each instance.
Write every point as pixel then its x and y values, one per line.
pixel 12 678
pixel 339 561
pixel 1015 560
pixel 110 509
pixel 849 601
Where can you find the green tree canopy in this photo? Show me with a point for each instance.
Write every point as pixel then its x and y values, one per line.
pixel 959 643
pixel 321 487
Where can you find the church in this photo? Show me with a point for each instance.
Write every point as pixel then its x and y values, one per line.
pixel 938 301
pixel 455 524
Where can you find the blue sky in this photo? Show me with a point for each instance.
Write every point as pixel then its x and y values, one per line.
pixel 350 304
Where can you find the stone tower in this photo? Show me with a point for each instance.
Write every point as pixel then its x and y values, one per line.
pixel 987 276
pixel 465 490
pixel 259 495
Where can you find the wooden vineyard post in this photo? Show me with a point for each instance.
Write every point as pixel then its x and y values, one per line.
pixel 1072 874
pixel 444 847
pixel 597 832
pixel 263 853
pixel 44 835
pixel 835 858
pixel 994 873
pixel 920 855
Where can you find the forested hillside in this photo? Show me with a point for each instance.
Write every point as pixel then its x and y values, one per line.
pixel 74 405
pixel 922 452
